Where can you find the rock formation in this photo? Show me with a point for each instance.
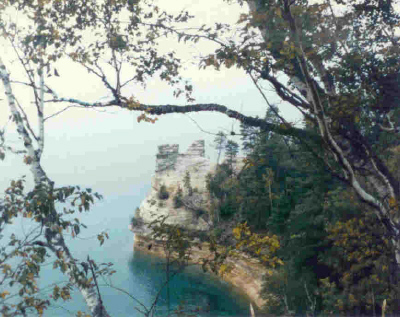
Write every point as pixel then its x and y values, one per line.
pixel 192 213
pixel 171 169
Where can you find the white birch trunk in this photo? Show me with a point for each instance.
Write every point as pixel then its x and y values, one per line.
pixel 56 242
pixel 383 189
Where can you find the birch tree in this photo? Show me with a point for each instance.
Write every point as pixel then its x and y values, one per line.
pixel 45 33
pixel 341 72
pixel 336 61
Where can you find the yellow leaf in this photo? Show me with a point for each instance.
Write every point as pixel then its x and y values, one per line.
pixel 236 233
pixel 4 294
pixel 278 11
pixel 392 202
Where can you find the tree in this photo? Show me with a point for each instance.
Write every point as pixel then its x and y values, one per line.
pixel 341 72
pixel 231 151
pixel 351 104
pixel 344 107
pixel 39 44
pixel 248 137
pixel 219 143
pixel 187 184
pixel 177 248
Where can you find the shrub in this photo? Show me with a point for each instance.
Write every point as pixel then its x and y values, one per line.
pixel 178 202
pixel 227 208
pixel 163 193
pixel 134 222
pixel 187 184
pixel 217 232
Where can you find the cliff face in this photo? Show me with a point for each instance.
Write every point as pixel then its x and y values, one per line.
pixel 171 169
pixel 193 214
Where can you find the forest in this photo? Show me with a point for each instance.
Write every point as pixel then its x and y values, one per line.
pixel 316 200
pixel 336 255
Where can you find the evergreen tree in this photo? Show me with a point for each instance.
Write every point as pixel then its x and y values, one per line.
pixel 219 144
pixel 231 151
pixel 187 184
pixel 249 137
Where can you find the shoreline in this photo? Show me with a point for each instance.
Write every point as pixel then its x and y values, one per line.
pixel 246 274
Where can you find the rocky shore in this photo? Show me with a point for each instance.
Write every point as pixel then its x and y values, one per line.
pixel 171 169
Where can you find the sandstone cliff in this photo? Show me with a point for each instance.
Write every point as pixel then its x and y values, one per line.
pixel 171 169
pixel 193 213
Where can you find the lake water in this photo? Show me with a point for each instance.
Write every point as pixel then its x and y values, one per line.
pixel 141 275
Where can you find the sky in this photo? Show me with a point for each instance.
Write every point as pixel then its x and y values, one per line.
pixel 112 153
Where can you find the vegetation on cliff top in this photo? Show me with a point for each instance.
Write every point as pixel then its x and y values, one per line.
pixel 335 61
pixel 337 256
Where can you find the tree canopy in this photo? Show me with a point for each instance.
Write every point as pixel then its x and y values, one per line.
pixel 336 61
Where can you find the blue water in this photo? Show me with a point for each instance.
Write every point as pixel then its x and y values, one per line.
pixel 139 274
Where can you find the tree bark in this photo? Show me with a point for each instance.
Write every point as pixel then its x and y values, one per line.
pixel 347 145
pixel 54 238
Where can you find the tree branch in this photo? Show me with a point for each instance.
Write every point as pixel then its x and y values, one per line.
pixel 54 238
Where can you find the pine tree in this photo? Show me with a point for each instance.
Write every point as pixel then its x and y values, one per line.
pixel 249 137
pixel 231 151
pixel 219 144
pixel 187 184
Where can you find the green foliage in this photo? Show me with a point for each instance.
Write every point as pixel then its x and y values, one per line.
pixel 215 181
pixel 223 187
pixel 363 263
pixel 231 151
pixel 219 143
pixel 163 194
pixel 175 241
pixel 249 136
pixel 349 62
pixel 186 183
pixel 284 191
pixel 217 232
pixel 21 258
pixel 134 222
pixel 178 198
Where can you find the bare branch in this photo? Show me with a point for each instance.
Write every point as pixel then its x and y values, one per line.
pixel 183 34
pixel 201 129
pixel 55 239
pixel 61 111
pixel 146 312
pixel 266 100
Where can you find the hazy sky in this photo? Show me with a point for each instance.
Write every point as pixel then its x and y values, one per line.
pixel 111 152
